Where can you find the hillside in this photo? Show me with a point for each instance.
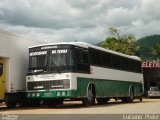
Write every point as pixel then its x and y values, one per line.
pixel 145 44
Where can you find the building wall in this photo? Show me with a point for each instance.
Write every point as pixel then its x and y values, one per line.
pixel 14 50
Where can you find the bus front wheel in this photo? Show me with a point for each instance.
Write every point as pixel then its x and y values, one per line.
pixel 90 99
pixel 11 104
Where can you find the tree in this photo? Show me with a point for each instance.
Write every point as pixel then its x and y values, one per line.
pixel 121 43
pixel 110 43
pixel 155 51
pixel 115 32
pixel 146 47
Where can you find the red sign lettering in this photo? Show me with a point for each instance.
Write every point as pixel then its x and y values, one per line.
pixel 151 64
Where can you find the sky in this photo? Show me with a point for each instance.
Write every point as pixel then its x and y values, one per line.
pixel 79 20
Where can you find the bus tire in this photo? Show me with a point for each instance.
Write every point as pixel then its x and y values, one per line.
pixel 24 104
pixel 30 103
pixel 131 94
pixel 130 98
pixel 11 104
pixel 90 100
pixel 140 98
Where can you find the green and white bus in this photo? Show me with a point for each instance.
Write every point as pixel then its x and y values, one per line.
pixel 80 71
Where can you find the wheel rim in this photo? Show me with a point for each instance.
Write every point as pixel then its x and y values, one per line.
pixel 131 95
pixel 90 95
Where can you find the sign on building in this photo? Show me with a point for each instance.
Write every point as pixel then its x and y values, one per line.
pixel 149 64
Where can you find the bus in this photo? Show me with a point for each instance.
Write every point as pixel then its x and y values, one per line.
pixel 84 72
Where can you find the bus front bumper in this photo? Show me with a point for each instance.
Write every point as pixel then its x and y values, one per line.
pixel 52 94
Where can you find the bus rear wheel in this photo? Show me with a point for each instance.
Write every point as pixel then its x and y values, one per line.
pixel 140 98
pixel 131 96
pixel 90 100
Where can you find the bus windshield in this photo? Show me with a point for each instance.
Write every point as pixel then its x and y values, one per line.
pixel 38 60
pixel 58 60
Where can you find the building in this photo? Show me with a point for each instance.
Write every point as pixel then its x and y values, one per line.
pixel 151 71
pixel 13 66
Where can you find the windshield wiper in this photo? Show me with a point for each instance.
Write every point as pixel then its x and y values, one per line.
pixel 36 71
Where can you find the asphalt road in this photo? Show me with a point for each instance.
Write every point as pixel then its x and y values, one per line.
pixel 147 106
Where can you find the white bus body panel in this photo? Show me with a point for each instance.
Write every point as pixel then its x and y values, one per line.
pixel 108 74
pixel 96 73
pixel 14 49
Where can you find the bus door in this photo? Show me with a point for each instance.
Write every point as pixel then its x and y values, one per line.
pixel 2 79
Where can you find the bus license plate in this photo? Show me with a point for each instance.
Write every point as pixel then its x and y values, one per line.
pixel 48 94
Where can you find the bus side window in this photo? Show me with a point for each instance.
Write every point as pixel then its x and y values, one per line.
pixel 78 57
pixel 83 61
pixel 82 57
pixel 85 57
pixel 1 69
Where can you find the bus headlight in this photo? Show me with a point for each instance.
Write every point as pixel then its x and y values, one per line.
pixel 33 94
pixel 58 93
pixel 63 93
pixel 38 94
pixel 68 93
pixel 29 95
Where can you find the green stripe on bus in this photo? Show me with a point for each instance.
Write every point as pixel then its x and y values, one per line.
pixel 108 88
pixel 104 88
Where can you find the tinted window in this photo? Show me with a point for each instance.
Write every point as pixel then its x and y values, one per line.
pixel 37 61
pixel 106 59
pixel 96 57
pixel 116 61
pixel 82 60
pixel 124 63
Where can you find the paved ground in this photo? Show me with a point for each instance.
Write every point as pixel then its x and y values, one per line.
pixel 148 106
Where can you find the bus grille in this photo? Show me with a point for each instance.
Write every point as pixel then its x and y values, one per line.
pixel 47 85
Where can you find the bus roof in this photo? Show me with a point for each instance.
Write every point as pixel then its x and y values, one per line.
pixel 86 45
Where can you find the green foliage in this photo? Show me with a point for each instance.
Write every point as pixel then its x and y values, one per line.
pixel 155 51
pixel 121 43
pixel 149 47
pixel 122 46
